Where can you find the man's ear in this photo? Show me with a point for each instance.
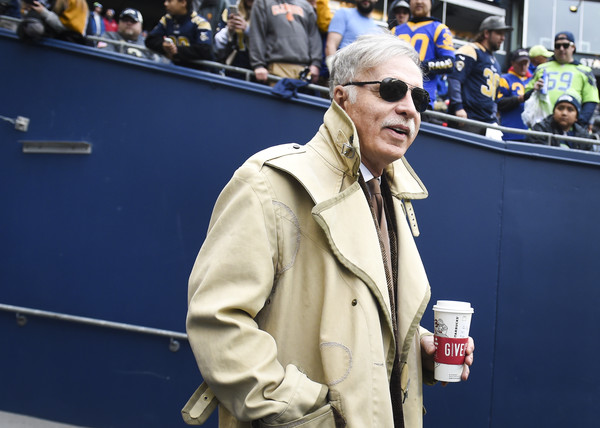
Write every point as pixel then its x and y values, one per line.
pixel 340 96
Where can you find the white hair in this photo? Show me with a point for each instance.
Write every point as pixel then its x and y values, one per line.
pixel 366 52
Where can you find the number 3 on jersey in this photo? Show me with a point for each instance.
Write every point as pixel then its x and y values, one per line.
pixel 491 85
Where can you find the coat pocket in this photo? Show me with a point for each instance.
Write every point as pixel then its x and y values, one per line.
pixel 321 418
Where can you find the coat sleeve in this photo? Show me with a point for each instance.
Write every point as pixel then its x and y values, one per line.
pixel 229 284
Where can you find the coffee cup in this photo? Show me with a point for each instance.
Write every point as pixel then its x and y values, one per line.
pixel 452 321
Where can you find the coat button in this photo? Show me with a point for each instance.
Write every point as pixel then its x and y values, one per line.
pixel 296 146
pixel 354 302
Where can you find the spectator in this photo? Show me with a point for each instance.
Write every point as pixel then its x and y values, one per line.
pixel 563 121
pixel 65 20
pixel 95 26
pixel 284 39
pixel 214 11
pixel 231 43
pixel 129 30
pixel 473 84
pixel 306 297
pixel 511 93
pixel 566 74
pixel 398 14
pixel 181 35
pixel 110 23
pixel 347 24
pixel 538 54
pixel 432 40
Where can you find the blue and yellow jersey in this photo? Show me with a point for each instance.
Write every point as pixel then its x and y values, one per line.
pixel 191 33
pixel 433 41
pixel 474 82
pixel 512 85
pixel 184 32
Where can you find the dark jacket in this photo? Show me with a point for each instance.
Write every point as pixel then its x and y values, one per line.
pixel 550 126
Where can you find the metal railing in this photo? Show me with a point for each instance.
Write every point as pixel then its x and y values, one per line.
pixel 220 68
pixel 21 320
pixel 595 140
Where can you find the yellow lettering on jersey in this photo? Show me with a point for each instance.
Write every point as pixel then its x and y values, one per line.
pixel 491 84
pixel 414 41
pixel 183 41
pixel 518 86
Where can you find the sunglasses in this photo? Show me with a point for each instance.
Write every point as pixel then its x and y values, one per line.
pixel 563 45
pixel 393 90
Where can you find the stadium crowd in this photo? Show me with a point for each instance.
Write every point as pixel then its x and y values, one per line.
pixel 295 40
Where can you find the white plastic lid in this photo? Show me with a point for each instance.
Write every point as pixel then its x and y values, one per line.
pixel 453 306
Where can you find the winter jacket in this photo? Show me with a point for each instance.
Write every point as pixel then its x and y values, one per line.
pixel 550 126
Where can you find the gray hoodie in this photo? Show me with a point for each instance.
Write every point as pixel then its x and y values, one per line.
pixel 284 31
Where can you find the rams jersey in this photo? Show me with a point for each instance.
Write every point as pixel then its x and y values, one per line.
pixel 433 41
pixel 512 85
pixel 474 83
pixel 184 32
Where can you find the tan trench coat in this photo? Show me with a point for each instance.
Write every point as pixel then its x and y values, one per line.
pixel 289 312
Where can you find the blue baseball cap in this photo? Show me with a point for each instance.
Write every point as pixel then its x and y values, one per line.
pixel 564 35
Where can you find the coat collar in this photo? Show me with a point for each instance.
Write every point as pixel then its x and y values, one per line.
pixel 337 146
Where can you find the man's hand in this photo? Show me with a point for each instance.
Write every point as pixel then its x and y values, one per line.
pixel 461 113
pixel 169 47
pixel 314 73
pixel 236 22
pixel 539 84
pixel 37 6
pixel 261 74
pixel 428 351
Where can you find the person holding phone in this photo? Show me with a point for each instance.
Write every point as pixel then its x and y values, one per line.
pixel 232 42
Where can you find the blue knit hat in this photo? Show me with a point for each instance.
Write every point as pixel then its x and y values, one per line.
pixel 566 98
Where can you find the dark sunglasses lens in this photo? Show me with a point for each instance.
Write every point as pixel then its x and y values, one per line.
pixel 562 46
pixel 420 98
pixel 392 90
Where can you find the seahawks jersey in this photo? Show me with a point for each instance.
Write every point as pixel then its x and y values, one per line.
pixel 474 82
pixel 512 85
pixel 433 41
pixel 575 78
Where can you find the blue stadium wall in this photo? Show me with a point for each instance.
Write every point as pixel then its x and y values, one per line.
pixel 113 234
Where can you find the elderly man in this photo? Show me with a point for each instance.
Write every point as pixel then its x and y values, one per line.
pixel 564 73
pixel 129 30
pixel 306 297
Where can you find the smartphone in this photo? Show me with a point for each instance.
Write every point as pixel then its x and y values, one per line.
pixel 233 10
